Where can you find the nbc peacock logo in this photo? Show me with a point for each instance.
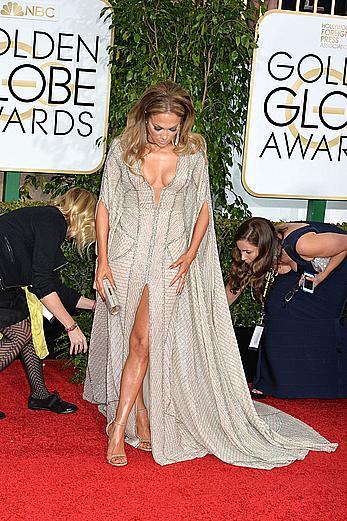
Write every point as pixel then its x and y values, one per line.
pixel 12 9
pixel 28 10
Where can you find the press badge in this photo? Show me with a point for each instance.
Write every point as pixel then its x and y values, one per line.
pixel 255 340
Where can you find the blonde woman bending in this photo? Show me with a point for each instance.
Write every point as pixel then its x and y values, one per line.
pixel 166 370
pixel 30 240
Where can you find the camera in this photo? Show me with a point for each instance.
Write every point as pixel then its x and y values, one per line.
pixel 111 298
pixel 308 283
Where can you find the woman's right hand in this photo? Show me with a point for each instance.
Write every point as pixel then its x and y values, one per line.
pixel 103 272
pixel 78 342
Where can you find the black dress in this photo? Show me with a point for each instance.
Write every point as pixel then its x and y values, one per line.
pixel 304 346
pixel 30 255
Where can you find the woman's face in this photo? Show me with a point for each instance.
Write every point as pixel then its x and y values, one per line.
pixel 249 252
pixel 162 128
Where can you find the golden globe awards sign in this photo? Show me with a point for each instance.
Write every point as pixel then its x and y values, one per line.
pixel 296 138
pixel 54 85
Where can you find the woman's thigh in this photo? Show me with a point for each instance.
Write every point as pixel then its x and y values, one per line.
pixel 139 337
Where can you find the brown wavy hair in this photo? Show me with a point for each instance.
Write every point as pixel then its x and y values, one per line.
pixel 261 233
pixel 158 99
pixel 78 207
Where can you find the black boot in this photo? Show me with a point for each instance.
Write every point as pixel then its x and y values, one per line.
pixel 2 415
pixel 52 403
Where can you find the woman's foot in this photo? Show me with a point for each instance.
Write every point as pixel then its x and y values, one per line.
pixel 115 451
pixel 258 395
pixel 142 430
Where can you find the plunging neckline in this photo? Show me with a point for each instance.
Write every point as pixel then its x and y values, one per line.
pixel 160 190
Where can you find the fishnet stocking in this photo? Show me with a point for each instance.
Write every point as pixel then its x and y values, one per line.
pixel 17 339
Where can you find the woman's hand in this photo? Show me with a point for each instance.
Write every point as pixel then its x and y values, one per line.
pixel 78 342
pixel 318 278
pixel 231 296
pixel 183 262
pixel 103 272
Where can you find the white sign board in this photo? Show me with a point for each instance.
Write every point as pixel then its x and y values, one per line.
pixel 54 85
pixel 296 137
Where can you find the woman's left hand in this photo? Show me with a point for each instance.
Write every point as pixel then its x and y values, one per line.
pixel 318 278
pixel 183 262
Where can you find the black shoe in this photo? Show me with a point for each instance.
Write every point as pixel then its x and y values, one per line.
pixel 52 403
pixel 2 415
pixel 258 396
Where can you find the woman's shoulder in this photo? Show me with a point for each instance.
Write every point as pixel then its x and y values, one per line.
pixel 287 228
pixel 49 215
pixel 115 147
pixel 39 211
pixel 35 217
pixel 301 228
pixel 197 156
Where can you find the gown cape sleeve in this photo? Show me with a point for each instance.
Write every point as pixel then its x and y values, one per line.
pixel 222 416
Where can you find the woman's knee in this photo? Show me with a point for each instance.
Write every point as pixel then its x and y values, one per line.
pixel 139 347
pixel 18 334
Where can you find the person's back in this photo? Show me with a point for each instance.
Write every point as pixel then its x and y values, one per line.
pixel 30 244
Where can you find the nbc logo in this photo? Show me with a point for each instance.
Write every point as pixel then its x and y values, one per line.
pixel 12 8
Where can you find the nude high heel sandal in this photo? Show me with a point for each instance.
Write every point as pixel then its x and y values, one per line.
pixel 144 440
pixel 115 456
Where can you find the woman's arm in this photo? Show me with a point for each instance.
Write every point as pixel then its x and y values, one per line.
pixel 321 245
pixel 102 230
pixel 111 194
pixel 200 228
pixel 85 303
pixel 333 263
pixel 78 342
pixel 231 296
pixel 187 258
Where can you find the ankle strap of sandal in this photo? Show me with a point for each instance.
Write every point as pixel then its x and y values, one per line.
pixel 118 423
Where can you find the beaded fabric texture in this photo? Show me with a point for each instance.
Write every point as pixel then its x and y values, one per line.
pixel 195 389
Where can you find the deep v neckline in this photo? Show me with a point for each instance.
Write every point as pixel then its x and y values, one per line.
pixel 159 191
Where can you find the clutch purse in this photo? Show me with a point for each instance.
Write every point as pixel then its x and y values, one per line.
pixel 111 298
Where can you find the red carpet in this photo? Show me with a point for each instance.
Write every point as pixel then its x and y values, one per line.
pixel 53 468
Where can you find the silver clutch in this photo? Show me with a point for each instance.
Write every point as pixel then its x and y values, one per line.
pixel 111 298
pixel 320 263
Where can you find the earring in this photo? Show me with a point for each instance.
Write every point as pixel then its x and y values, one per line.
pixel 177 138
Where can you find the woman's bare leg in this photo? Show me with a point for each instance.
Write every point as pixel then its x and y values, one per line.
pixel 142 422
pixel 140 404
pixel 132 377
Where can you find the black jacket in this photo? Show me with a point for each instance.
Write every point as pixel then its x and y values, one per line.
pixel 30 254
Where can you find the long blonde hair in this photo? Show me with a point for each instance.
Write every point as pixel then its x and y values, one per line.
pixel 158 99
pixel 78 207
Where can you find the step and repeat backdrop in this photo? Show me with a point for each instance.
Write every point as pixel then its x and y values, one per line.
pixel 296 137
pixel 54 85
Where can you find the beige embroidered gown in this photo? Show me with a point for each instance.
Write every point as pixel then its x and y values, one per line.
pixel 195 389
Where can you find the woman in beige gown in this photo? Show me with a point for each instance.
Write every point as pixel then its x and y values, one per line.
pixel 170 358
